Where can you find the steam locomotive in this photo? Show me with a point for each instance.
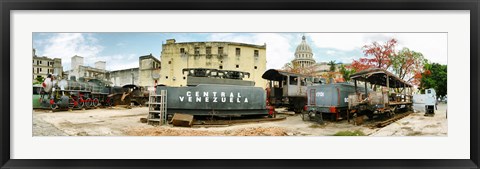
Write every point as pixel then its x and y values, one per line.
pixel 73 94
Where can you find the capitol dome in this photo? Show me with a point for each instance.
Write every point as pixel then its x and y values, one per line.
pixel 303 47
pixel 303 55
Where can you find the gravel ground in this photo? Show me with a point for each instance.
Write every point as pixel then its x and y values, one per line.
pixel 417 124
pixel 120 121
pixel 42 128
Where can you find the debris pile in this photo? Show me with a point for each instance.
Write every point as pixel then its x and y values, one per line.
pixel 163 131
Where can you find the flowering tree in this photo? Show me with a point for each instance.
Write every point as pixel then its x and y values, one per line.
pixel 381 56
pixel 408 65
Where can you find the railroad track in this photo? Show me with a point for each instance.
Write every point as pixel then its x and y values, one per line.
pixel 391 120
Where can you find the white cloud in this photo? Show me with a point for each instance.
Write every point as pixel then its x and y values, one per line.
pixel 119 61
pixel 330 52
pixel 66 45
pixel 340 41
pixel 278 45
pixel 432 45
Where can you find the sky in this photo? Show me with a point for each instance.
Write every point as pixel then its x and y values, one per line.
pixel 121 50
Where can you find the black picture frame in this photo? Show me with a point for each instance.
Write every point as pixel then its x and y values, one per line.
pixel 9 5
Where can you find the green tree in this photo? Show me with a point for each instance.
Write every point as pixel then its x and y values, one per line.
pixel 435 76
pixel 39 80
pixel 332 65
pixel 406 63
pixel 346 73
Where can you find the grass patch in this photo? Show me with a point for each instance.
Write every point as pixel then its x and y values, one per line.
pixel 350 133
pixel 417 133
pixel 316 126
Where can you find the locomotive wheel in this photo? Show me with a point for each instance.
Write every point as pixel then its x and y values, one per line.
pixel 109 102
pixel 88 102
pixel 81 103
pixel 53 106
pixel 71 103
pixel 95 102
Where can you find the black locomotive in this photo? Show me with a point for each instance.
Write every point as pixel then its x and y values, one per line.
pixel 73 94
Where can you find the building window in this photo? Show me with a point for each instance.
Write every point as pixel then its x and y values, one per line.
pixel 255 67
pixel 38 62
pixel 184 78
pixel 40 69
pixel 197 50
pixel 182 50
pixel 220 67
pixel 255 53
pixel 237 66
pixel 220 50
pixel 237 51
pixel 208 50
pixel 166 77
pixel 169 62
pixel 293 80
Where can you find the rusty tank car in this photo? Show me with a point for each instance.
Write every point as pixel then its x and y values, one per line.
pixel 328 99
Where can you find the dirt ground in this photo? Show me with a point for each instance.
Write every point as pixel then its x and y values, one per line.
pixel 417 124
pixel 120 121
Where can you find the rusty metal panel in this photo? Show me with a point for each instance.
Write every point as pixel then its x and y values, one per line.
pixel 185 120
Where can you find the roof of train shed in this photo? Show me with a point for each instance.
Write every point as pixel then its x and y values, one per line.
pixel 378 76
pixel 278 75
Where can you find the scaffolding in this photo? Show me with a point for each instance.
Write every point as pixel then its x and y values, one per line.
pixel 157 108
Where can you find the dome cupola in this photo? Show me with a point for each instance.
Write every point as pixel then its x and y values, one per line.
pixel 303 54
pixel 303 47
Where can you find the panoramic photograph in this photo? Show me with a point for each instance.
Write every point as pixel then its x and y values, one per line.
pixel 239 84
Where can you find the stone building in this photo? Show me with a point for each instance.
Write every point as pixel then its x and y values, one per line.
pixel 42 66
pixel 303 55
pixel 123 77
pixel 79 70
pixel 215 55
pixel 149 67
pixel 304 58
pixel 149 70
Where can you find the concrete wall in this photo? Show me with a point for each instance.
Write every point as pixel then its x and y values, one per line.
pixel 76 61
pixel 149 65
pixel 100 65
pixel 173 61
pixel 123 77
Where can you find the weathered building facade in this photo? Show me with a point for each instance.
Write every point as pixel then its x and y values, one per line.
pixel 42 66
pixel 144 75
pixel 123 77
pixel 79 70
pixel 215 55
pixel 149 70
